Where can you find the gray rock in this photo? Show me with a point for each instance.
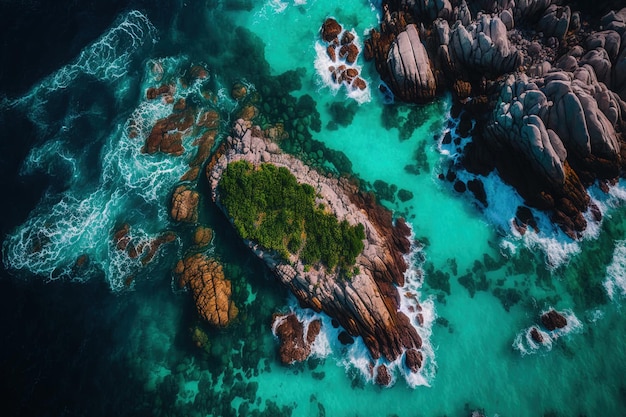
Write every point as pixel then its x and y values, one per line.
pixel 555 21
pixel 410 69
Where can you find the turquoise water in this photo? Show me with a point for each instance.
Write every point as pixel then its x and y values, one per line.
pixel 483 284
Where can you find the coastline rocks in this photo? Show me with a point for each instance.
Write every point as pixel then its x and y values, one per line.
pixel 553 320
pixel 210 289
pixel 564 126
pixel 184 207
pixel 365 304
pixel 343 51
pixel 545 88
pixel 409 66
pixel 295 339
pixel 383 377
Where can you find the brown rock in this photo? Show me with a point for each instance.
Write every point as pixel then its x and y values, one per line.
pixel 154 245
pixel 413 359
pixel 153 92
pixel 210 120
pixel 347 37
pixel 332 54
pixel 290 333
pixel 166 135
pixel 350 52
pixel 185 205
pixel 382 376
pixel 198 72
pixel 535 335
pixel 359 83
pixel 202 236
pixel 180 105
pixel 330 29
pixel 553 320
pixel 210 289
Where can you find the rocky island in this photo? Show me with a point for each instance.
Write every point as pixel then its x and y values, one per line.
pixel 364 299
pixel 544 83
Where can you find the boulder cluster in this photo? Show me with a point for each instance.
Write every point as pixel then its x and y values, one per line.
pixel 343 52
pixel 546 89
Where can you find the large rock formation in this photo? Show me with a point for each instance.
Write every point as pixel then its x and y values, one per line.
pixel 366 304
pixel 211 290
pixel 409 67
pixel 554 123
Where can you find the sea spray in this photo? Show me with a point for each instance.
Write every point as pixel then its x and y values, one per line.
pixel 107 59
pixel 525 344
pixel 129 187
pixel 615 282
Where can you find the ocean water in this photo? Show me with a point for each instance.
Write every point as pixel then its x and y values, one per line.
pixel 110 335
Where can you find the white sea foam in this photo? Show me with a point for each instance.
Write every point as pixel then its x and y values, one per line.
pixel 503 201
pixel 615 282
pixel 525 344
pixel 129 188
pixel 323 62
pixel 107 59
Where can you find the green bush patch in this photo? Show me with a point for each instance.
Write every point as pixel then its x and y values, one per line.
pixel 269 206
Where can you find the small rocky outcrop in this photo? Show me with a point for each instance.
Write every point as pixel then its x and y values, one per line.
pixel 365 304
pixel 210 289
pixel 343 52
pixel 553 320
pixel 295 338
pixel 536 335
pixel 184 206
pixel 413 359
pixel 143 249
pixel 202 236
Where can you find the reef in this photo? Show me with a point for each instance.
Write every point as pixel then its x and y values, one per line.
pixel 364 302
pixel 544 83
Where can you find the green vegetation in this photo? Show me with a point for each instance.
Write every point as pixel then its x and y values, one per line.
pixel 269 206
